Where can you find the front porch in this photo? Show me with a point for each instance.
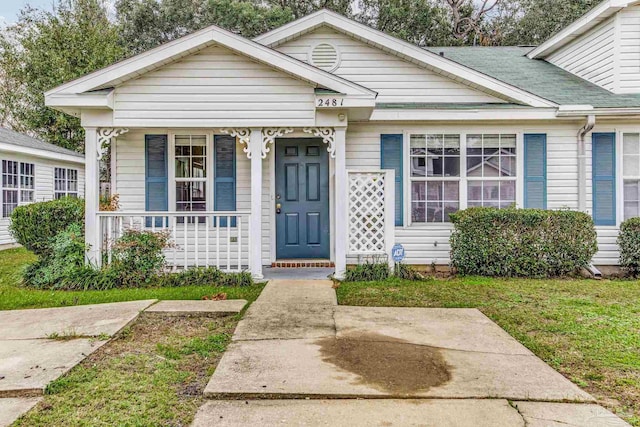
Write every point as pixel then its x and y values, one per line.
pixel 239 215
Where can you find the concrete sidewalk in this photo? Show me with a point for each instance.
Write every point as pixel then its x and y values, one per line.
pixel 38 346
pixel 295 342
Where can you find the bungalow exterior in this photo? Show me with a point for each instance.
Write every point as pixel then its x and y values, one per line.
pixel 34 171
pixel 324 140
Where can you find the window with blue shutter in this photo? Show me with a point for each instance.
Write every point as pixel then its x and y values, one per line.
pixel 391 158
pixel 225 176
pixel 604 178
pixel 535 171
pixel 156 176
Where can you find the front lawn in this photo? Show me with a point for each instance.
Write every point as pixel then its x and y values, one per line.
pixel 13 296
pixel 588 330
pixel 152 375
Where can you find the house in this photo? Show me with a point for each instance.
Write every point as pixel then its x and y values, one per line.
pixel 34 171
pixel 324 141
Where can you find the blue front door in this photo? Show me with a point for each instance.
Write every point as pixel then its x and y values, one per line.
pixel 302 199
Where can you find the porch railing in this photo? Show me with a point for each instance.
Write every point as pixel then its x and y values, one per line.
pixel 202 239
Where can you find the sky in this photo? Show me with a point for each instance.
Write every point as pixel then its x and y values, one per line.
pixel 9 8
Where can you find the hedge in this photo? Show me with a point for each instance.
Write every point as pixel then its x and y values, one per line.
pixel 521 242
pixel 34 226
pixel 629 242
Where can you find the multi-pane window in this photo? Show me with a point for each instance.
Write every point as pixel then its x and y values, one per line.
pixel 440 165
pixel 631 174
pixel 18 185
pixel 191 173
pixel 491 170
pixel 65 183
pixel 435 176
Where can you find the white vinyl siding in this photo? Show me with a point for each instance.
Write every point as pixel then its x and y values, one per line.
pixel 591 56
pixel 44 184
pixel 214 88
pixel 629 50
pixel 427 243
pixel 395 79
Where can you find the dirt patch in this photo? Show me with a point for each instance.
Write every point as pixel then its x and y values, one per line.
pixel 386 363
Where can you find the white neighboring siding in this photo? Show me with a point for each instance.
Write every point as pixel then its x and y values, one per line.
pixel 395 79
pixel 44 170
pixel 629 48
pixel 591 56
pixel 214 88
pixel 427 243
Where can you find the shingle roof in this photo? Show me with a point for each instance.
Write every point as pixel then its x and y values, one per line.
pixel 14 138
pixel 536 76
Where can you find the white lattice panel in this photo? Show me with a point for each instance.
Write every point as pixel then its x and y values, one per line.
pixel 366 213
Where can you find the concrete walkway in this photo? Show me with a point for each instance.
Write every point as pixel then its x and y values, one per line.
pixel 295 342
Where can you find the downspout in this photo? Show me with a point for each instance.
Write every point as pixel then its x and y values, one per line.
pixel 582 162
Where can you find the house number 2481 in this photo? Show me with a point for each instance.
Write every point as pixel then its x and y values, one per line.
pixel 330 102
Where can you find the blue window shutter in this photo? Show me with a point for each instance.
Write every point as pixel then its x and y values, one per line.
pixel 225 176
pixel 535 171
pixel 604 178
pixel 156 176
pixel 391 158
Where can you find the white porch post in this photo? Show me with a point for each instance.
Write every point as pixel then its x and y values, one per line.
pixel 92 196
pixel 255 227
pixel 341 203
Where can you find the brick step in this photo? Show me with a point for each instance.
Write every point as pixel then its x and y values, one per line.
pixel 303 263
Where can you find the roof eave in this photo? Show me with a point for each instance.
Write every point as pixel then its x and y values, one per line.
pixel 403 49
pixel 588 21
pixel 41 153
pixel 171 51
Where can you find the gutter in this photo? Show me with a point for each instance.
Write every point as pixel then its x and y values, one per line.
pixel 582 162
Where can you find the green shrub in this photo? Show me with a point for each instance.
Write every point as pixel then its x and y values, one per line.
pixel 204 276
pixel 138 258
pixel 406 272
pixel 67 254
pixel 521 242
pixel 629 242
pixel 368 272
pixel 236 279
pixel 34 226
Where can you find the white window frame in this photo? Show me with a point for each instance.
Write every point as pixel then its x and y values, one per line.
pixel 426 179
pixel 19 189
pixel 463 188
pixel 66 192
pixel 622 177
pixel 171 158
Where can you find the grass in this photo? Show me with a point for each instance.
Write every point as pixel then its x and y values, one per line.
pixel 154 374
pixel 588 330
pixel 13 296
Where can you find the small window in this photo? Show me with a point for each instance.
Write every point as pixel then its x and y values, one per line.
pixel 313 150
pixel 291 151
pixel 18 185
pixel 191 174
pixel 65 183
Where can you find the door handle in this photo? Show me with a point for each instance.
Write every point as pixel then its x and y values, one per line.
pixel 278 208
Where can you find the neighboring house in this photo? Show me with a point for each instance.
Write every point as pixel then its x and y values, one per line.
pixel 325 140
pixel 34 171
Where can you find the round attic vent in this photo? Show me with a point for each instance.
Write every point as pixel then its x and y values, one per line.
pixel 325 57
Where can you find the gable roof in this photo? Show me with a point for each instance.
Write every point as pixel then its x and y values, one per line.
pixel 512 65
pixel 588 21
pixel 169 52
pixel 402 49
pixel 20 143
